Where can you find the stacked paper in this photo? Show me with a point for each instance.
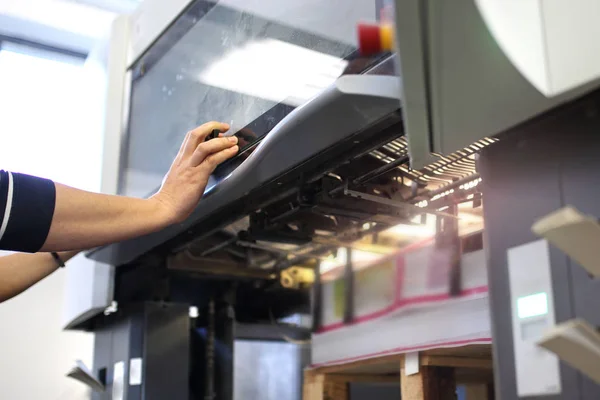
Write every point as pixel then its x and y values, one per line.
pixel 402 304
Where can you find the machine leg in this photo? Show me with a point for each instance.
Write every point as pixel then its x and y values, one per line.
pixel 224 340
pixel 430 383
pixel 349 288
pixel 317 299
pixel 155 334
pixel 454 242
pixel 448 242
pixel 209 393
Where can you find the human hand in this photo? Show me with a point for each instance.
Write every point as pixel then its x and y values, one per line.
pixel 187 178
pixel 245 136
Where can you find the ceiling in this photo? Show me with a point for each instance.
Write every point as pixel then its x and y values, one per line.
pixel 58 23
pixel 116 6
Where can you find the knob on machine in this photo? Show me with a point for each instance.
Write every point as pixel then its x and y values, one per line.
pixel 374 38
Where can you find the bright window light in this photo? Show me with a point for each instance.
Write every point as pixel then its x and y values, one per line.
pixel 44 129
pixel 359 257
pixel 274 70
pixel 417 230
pixel 428 229
pixel 65 15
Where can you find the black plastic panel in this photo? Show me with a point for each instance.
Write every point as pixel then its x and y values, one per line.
pixel 346 115
pixel 536 169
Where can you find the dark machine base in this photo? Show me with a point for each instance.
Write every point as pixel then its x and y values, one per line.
pixel 153 336
pixel 157 351
pixel 536 169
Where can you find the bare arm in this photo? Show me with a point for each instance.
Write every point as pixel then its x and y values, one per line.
pixel 82 220
pixel 20 271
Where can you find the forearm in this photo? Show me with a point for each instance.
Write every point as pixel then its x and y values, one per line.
pixel 37 214
pixel 20 271
pixel 84 220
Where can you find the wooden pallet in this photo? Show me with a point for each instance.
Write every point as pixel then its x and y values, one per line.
pixel 440 371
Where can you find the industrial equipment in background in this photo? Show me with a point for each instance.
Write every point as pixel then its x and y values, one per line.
pixel 343 158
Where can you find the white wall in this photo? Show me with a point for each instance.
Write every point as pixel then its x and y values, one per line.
pixel 44 132
pixel 36 354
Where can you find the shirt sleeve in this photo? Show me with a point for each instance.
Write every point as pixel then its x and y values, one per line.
pixel 26 210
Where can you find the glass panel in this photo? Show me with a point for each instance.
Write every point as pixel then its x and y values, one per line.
pixel 248 63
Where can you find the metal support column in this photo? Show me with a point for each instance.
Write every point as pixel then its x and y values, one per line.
pixel 348 288
pixel 133 350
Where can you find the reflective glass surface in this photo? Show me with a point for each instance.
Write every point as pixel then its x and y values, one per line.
pixel 245 62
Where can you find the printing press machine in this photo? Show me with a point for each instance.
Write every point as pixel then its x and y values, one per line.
pixel 335 150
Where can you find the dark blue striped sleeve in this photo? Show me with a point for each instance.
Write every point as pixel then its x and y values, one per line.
pixel 26 210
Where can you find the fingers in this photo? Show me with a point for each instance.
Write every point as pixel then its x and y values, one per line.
pixel 213 160
pixel 181 150
pixel 205 149
pixel 197 136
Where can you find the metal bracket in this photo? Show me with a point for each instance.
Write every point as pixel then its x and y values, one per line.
pixel 394 203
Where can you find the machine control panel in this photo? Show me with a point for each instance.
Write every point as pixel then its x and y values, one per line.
pixel 537 370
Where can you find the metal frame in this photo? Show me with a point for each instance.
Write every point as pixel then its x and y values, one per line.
pixel 317 300
pixel 41 46
pixel 111 56
pixel 399 204
pixel 123 146
pixel 149 21
pixel 536 169
pixel 349 312
pixel 411 40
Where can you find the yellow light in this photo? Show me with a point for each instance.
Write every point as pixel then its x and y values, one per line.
pixel 359 257
pixel 418 231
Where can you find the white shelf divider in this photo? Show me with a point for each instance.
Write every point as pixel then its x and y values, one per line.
pixel 577 343
pixel 575 234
